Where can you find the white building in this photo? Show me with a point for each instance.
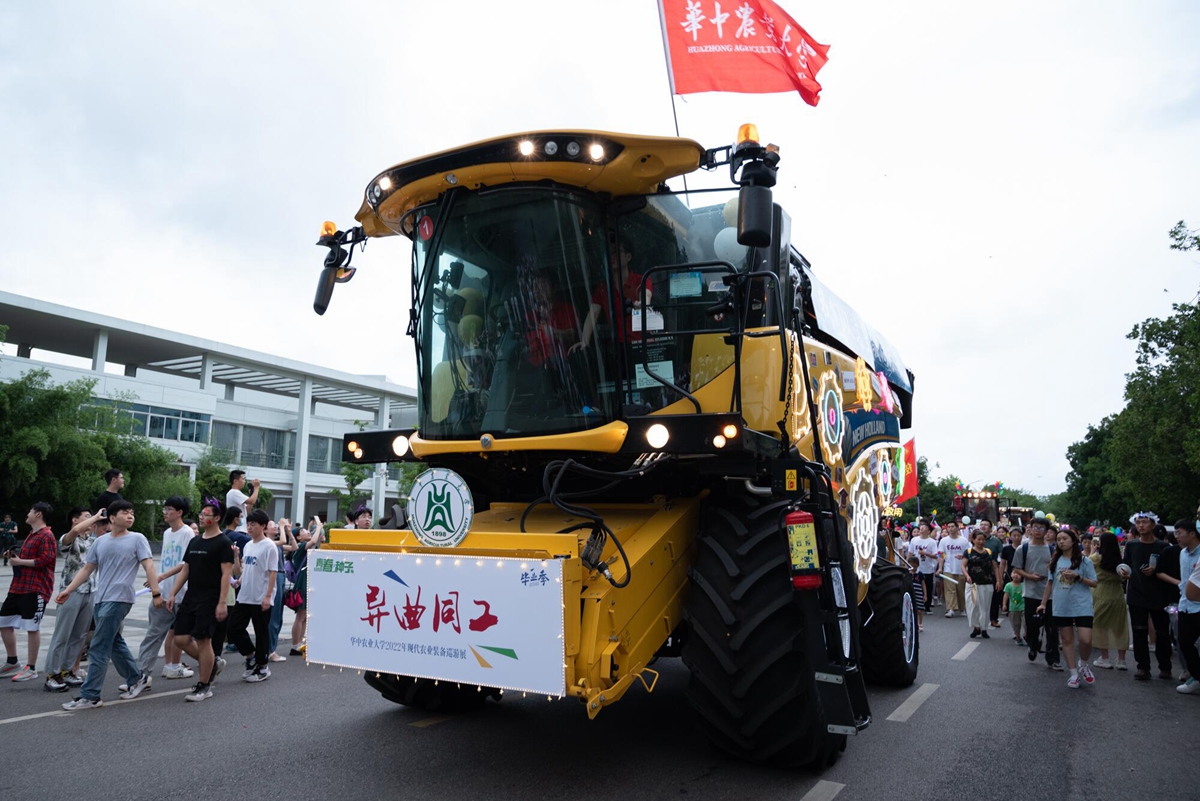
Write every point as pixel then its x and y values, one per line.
pixel 282 419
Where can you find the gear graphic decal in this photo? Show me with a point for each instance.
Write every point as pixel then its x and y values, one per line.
pixel 864 525
pixel 833 422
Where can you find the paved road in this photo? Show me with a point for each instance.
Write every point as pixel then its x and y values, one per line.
pixel 991 726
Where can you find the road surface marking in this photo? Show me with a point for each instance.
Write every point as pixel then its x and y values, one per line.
pixel 824 791
pixel 64 713
pixel 427 722
pixel 58 714
pixel 965 651
pixel 906 710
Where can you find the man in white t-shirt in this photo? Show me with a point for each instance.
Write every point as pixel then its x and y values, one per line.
pixel 236 498
pixel 162 620
pixel 260 562
pixel 951 547
pixel 923 552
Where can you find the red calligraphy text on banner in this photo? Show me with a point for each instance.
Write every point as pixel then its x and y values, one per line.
pixel 759 49
pixel 447 612
pixel 376 599
pixel 411 619
pixel 485 620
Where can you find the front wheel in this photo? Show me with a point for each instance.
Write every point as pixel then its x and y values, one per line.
pixel 891 645
pixel 752 685
pixel 429 695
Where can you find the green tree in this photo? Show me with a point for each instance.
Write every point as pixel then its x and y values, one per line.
pixel 1093 491
pixel 212 479
pixel 47 452
pixel 1184 239
pixel 354 475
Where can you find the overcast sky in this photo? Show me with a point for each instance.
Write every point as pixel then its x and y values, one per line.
pixel 990 187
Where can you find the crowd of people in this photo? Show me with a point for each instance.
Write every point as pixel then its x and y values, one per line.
pixel 1069 593
pixel 230 569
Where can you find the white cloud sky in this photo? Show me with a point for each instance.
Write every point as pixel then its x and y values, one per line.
pixel 989 186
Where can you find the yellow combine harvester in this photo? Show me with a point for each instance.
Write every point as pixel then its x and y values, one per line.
pixel 651 432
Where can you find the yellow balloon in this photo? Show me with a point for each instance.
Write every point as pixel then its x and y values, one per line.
pixel 1051 517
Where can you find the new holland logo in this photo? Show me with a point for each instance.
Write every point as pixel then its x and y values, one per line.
pixel 440 508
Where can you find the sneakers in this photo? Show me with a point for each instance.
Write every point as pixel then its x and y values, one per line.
pixel 984 635
pixel 199 693
pixel 149 680
pixel 55 684
pixel 1189 687
pixel 73 680
pixel 295 652
pixel 1055 666
pixel 276 658
pixel 1122 666
pixel 974 633
pixel 25 674
pixel 1142 675
pixel 1162 674
pixel 1101 662
pixel 143 683
pixel 1021 643
pixel 1085 673
pixel 260 673
pixel 181 672
pixel 218 666
pixel 9 670
pixel 1032 655
pixel 250 668
pixel 950 614
pixel 1073 682
pixel 82 703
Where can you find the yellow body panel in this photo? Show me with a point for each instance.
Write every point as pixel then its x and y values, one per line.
pixel 614 633
pixel 607 438
pixel 645 162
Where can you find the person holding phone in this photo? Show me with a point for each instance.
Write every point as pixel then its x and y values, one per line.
pixel 1147 598
pixel 309 538
pixel 1072 578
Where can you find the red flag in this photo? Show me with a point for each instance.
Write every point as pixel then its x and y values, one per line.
pixel 910 489
pixel 749 46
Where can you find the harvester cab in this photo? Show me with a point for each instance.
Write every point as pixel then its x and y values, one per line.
pixel 649 431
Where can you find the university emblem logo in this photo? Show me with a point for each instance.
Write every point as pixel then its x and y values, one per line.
pixel 440 508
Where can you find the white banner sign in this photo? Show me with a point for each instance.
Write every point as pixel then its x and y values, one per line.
pixel 476 620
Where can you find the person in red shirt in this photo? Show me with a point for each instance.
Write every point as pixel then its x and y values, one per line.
pixel 627 285
pixel 31 588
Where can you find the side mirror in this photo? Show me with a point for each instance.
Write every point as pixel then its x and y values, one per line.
pixel 755 212
pixel 325 289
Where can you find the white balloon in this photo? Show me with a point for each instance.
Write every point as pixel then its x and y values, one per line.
pixel 1039 514
pixel 966 520
pixel 726 247
pixel 730 211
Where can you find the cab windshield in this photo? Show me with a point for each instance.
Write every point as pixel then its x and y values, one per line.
pixel 502 307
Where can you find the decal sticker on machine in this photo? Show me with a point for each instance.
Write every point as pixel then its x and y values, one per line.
pixel 425 228
pixel 664 370
pixel 476 620
pixel 440 508
pixel 864 525
pixel 654 321
pixel 833 422
pixel 686 285
pixel 864 375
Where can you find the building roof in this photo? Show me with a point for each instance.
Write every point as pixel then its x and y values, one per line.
pixel 61 329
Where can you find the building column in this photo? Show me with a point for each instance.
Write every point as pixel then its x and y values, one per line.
pixel 100 350
pixel 379 485
pixel 206 368
pixel 24 351
pixel 300 468
pixel 131 371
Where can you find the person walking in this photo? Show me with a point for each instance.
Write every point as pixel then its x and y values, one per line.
pixel 206 570
pixel 1014 607
pixel 285 544
pixel 982 574
pixel 114 558
pixel 1110 629
pixel 923 550
pixel 161 622
pixel 30 591
pixel 1071 579
pixel 1146 597
pixel 114 480
pixel 255 595
pixel 951 548
pixel 1032 564
pixel 1188 540
pixel 994 543
pixel 309 539
pixel 73 618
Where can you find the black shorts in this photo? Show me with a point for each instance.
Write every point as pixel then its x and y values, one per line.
pixel 196 618
pixel 23 611
pixel 1067 622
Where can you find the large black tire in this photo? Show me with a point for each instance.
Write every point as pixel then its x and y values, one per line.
pixel 891 646
pixel 752 685
pixel 424 694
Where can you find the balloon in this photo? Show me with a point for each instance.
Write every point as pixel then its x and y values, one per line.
pixel 1040 513
pixel 730 211
pixel 726 247
pixel 1051 517
pixel 966 520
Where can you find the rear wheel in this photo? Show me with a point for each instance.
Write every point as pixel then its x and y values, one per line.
pixel 751 684
pixel 428 695
pixel 891 646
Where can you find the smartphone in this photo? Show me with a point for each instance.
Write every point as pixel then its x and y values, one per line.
pixel 1153 560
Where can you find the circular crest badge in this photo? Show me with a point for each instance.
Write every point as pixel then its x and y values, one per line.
pixel 440 508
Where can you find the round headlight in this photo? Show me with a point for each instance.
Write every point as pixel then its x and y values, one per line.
pixel 352 446
pixel 718 441
pixel 526 148
pixel 596 151
pixel 551 148
pixel 572 149
pixel 730 431
pixel 385 183
pixel 400 445
pixel 657 435
pixel 358 453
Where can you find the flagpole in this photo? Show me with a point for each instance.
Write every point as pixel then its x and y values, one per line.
pixel 662 23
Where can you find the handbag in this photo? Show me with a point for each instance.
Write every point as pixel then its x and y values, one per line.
pixel 292 599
